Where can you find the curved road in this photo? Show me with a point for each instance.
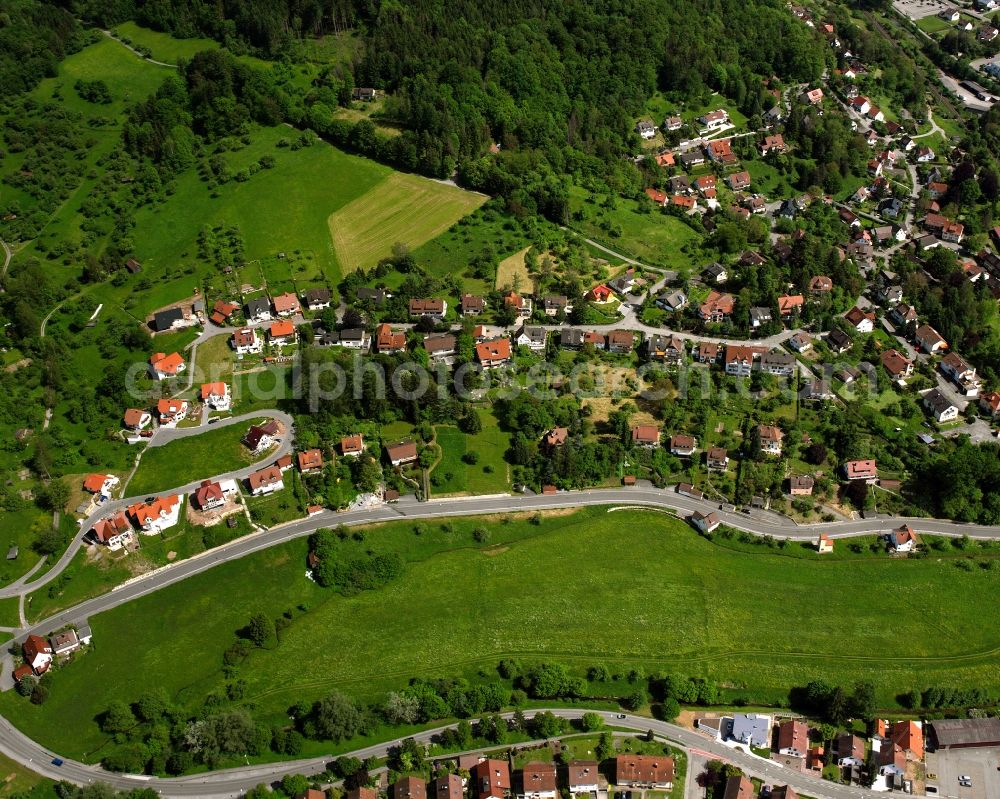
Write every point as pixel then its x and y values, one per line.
pixel 234 782
pixel 161 437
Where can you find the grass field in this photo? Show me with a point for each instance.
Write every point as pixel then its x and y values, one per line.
pixel 513 269
pixel 16 780
pixel 460 477
pixel 210 453
pixel 653 236
pixel 163 46
pixel 623 588
pixel 282 209
pixel 402 208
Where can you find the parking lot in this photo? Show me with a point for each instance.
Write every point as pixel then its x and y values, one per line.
pixel 918 9
pixel 980 764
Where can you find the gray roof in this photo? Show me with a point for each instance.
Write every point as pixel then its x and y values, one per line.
pixel 572 336
pixel 760 314
pixel 163 320
pixel 258 305
pixel 12 553
pixel 754 727
pixel 938 401
pixel 534 332
pixel 966 732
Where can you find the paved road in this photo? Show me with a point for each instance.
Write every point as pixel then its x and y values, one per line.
pixel 162 436
pixel 233 782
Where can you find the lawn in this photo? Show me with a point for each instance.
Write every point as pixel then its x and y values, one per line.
pixel 20 528
pixel 163 46
pixel 625 589
pixel 18 781
pixel 401 208
pixel 934 24
pixel 206 455
pixel 282 209
pixel 513 271
pixel 489 475
pixel 654 237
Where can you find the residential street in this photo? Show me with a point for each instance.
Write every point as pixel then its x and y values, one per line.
pixel 233 782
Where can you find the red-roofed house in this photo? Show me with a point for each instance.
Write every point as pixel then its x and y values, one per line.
pixel 644 771
pixel 491 779
pixel 156 516
pixel 216 396
pixel 388 342
pixel 286 304
pixel 793 738
pixel 863 322
pixel 162 367
pixel 861 470
pixel 717 306
pixel 908 736
pixel 657 196
pixel 352 446
pixel 538 781
pixel 246 341
pixel 720 151
pixel 171 411
pixel 266 481
pixel 310 461
pixel 37 653
pixel 282 332
pixel 493 353
pixel 100 483
pixel 646 435
pixel 137 419
pixel 601 293
pixel 790 303
pixel 113 531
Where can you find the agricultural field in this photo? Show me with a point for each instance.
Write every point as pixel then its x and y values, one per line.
pixel 402 208
pixel 281 209
pixel 488 475
pixel 513 271
pixel 549 590
pixel 179 462
pixel 650 236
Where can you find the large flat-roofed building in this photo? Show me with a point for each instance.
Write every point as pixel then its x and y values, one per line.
pixel 965 733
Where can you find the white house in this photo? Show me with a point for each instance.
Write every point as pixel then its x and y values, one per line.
pixel 171 411
pixel 706 522
pixel 265 481
pixel 247 341
pixel 113 531
pixel 156 516
pixel 531 336
pixel 216 396
pixel 163 367
pixel 940 407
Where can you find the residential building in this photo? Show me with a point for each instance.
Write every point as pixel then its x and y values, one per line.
pixel 752 728
pixel 318 299
pixel 778 363
pixel 908 736
pixel 266 481
pixel 793 738
pixel 216 396
pixel 409 788
pixel 538 781
pixel 850 750
pixel 812 96
pixel 644 771
pixel 37 653
pixel 801 485
pixel 257 310
pixel 770 439
pixel 646 435
pixel 428 306
pixel 990 402
pixel 790 304
pixel 163 367
pixel 706 522
pixel 645 128
pixel 739 787
pixel 717 459
pixel 929 339
pixel 816 389
pixel 352 446
pixel 760 315
pixel 706 352
pixel 158 515
pixel 282 332
pixel 472 305
pixel 714 120
pixel 522 305
pixel 739 181
pixel 939 406
pixel 959 372
pixel 902 539
pixel 554 304
pixel 866 469
pixel 286 304
pixel 739 358
pixel 903 315
pixel 137 419
pixel 717 306
pixel 171 411
pixel 601 293
pixel 862 321
pixel 800 342
pixel 168 319
pixel 491 779
pixel 556 437
pixel 388 342
pixel 896 364
pixel 402 453
pixel 773 143
pixel 531 336
pixel 260 437
pixel 113 531
pixel 824 546
pixel 583 777
pixel 838 341
pixel 715 273
pixel 101 484
pixel 448 786
pixel 441 345
pixel 491 354
pixel 683 445
pixel 64 643
pixel 211 495
pixel 246 341
pixel 665 348
pixel 310 461
pixel 672 301
pixel 621 341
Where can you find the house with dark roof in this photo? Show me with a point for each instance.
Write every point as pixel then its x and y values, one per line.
pixel 168 319
pixel 257 309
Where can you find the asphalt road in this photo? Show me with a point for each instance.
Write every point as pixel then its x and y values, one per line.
pixel 162 436
pixel 233 782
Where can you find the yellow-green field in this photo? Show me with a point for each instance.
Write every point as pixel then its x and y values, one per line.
pixel 513 268
pixel 401 208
